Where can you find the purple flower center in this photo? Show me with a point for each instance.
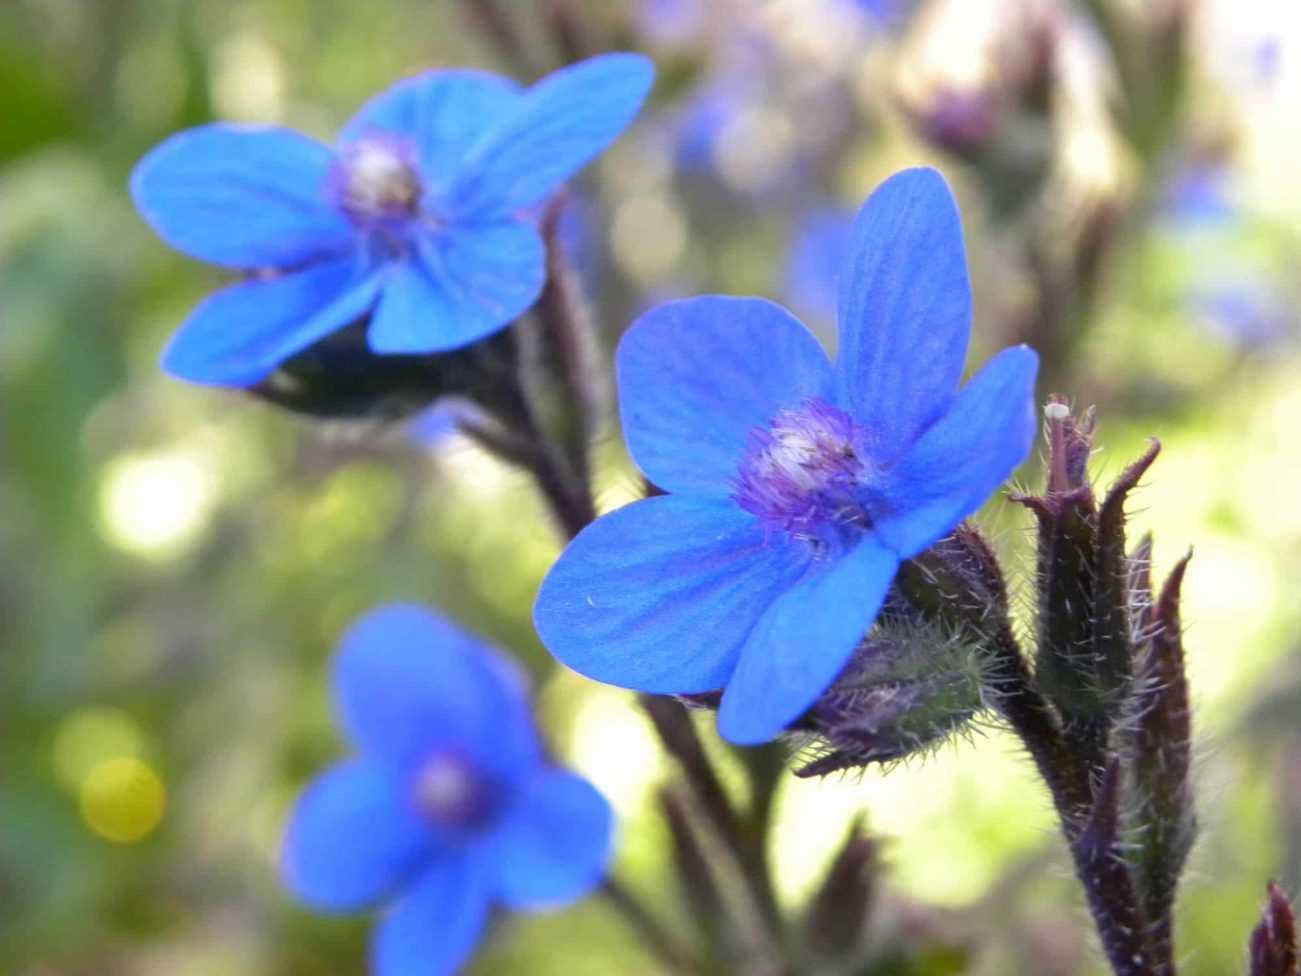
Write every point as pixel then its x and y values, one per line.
pixel 804 473
pixel 453 794
pixel 375 180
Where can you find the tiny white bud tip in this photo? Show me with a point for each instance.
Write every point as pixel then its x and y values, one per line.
pixel 1056 411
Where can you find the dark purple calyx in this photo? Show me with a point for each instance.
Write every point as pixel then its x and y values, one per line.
pixel 453 794
pixel 376 180
pixel 805 473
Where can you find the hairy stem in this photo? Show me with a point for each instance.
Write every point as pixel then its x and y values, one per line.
pixel 747 847
pixel 1089 818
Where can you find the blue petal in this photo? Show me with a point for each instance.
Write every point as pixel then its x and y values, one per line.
pixel 433 931
pixel 965 457
pixel 241 196
pixel 560 124
pixel 803 642
pixel 353 839
pixel 410 684
pixel 661 594
pixel 467 282
pixel 238 335
pixel 697 376
pixel 905 310
pixel 555 845
pixel 443 112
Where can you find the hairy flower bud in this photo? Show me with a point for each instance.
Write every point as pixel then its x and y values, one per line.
pixel 1273 947
pixel 909 686
pixel 340 378
pixel 1087 611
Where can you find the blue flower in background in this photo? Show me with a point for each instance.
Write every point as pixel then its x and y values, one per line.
pixel 796 487
pixel 433 425
pixel 701 123
pixel 450 806
pixel 817 253
pixel 1199 197
pixel 672 23
pixel 417 217
pixel 887 12
pixel 1247 312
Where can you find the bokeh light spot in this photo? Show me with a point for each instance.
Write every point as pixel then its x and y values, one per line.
pixel 122 800
pixel 614 746
pixel 649 236
pixel 248 81
pixel 155 505
pixel 89 737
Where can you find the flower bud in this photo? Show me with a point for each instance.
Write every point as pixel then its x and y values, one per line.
pixel 340 378
pixel 1087 612
pixel 908 687
pixel 1273 946
pixel 837 921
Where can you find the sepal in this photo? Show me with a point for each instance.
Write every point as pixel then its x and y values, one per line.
pixel 340 378
pixel 1089 600
pixel 1158 749
pixel 1273 947
pixel 838 919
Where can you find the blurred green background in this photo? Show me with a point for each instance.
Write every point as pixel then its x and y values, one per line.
pixel 176 562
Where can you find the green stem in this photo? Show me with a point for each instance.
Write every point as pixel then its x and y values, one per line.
pixel 650 931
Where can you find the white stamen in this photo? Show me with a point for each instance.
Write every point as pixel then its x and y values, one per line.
pixel 379 182
pixel 445 789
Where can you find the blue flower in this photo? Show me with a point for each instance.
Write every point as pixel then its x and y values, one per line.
pixel 1199 197
pixel 700 125
pixel 417 217
pixel 433 425
pixel 795 486
pixel 450 806
pixel 817 251
pixel 884 11
pixel 1247 312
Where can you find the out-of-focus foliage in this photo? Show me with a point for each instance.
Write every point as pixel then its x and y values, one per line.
pixel 175 562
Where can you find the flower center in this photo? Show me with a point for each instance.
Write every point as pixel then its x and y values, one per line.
pixel 375 179
pixel 452 794
pixel 804 473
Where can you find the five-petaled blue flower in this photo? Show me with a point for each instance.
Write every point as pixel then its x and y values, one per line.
pixel 450 806
pixel 418 217
pixel 796 487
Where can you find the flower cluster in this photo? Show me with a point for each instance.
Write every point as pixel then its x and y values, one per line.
pixel 794 487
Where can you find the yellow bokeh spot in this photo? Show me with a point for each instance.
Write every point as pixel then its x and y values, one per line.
pixel 156 504
pixel 648 236
pixel 123 800
pixel 614 746
pixel 88 738
pixel 248 81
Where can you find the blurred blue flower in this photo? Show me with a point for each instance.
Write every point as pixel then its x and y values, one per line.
pixel 796 487
pixel 1248 313
pixel 450 806
pixel 433 425
pixel 885 12
pixel 1198 196
pixel 578 234
pixel 671 23
pixel 817 253
pixel 703 120
pixel 418 217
